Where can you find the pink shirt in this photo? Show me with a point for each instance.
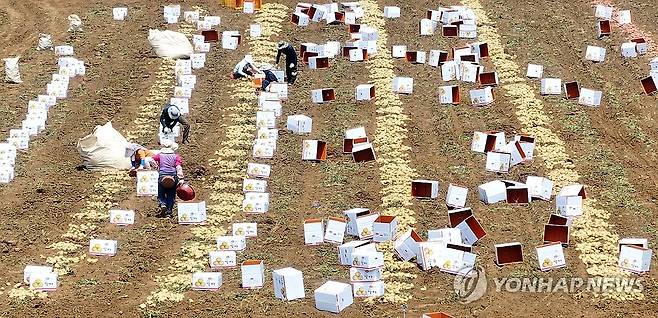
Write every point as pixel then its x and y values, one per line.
pixel 168 162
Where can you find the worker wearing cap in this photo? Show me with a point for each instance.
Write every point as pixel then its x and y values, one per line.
pixel 170 173
pixel 170 117
pixel 244 68
pixel 286 49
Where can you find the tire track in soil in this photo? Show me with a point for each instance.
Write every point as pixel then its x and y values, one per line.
pixel 595 236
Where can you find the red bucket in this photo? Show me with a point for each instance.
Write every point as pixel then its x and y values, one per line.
pixel 185 192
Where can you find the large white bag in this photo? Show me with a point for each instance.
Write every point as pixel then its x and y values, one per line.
pixel 170 44
pixel 12 75
pixel 105 148
pixel 75 24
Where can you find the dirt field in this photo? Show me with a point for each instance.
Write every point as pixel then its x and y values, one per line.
pixel 613 148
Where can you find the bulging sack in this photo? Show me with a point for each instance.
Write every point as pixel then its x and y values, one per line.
pixel 45 42
pixel 75 24
pixel 169 44
pixel 104 149
pixel 12 74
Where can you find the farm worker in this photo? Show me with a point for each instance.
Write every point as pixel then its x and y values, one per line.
pixel 170 170
pixel 291 60
pixel 170 117
pixel 244 68
pixel 138 153
pixel 269 76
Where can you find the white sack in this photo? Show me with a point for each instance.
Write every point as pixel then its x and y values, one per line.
pixel 170 44
pixel 75 24
pixel 45 42
pixel 12 75
pixel 105 148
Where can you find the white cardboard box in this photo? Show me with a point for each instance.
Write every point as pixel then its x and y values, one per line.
pixel 365 92
pixel 624 17
pixel 206 281
pixel 391 12
pixel 364 225
pixel 253 185
pixel 569 202
pixel 333 296
pixel 122 217
pixel 550 256
pixel 595 53
pixel 323 95
pixel 425 189
pixel 265 119
pixel 629 49
pixel 231 243
pixel 253 273
pixel 258 170
pixel 484 142
pixel 437 57
pixel 449 95
pixel 288 283
pixel 589 97
pixel 492 192
pixel 222 259
pixel 245 229
pixel 634 259
pixel 429 254
pixel 351 215
pixel 368 289
pixel 403 85
pixel 119 13
pixel 535 71
pixel 456 196
pixel 335 230
pixel 603 12
pixel 299 124
pixel 256 203
pixel 346 250
pixel 102 247
pixel 313 232
pixel 539 188
pixel 406 246
pixel 43 281
pixel 365 275
pixel 35 269
pixel 300 19
pixel 367 259
pixel 449 71
pixel 192 212
pixel 482 96
pixel 384 228
pixel 446 235
pixel 314 150
pixel 498 162
pixel 551 86
pixel 427 27
pixel 399 51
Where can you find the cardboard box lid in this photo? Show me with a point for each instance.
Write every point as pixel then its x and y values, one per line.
pixel 252 262
pixel 385 219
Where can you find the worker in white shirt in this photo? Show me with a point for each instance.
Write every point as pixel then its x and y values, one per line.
pixel 244 68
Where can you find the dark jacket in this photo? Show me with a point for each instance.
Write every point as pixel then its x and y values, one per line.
pixel 171 123
pixel 289 52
